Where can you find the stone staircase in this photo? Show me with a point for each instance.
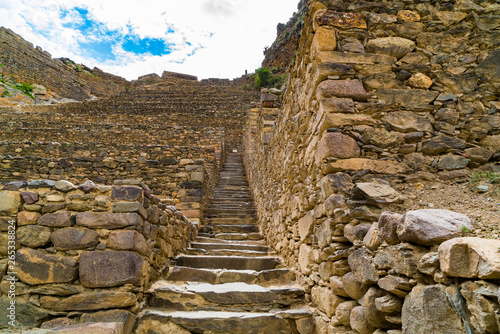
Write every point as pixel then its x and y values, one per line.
pixel 228 281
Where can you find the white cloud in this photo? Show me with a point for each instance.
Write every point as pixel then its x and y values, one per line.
pixel 229 35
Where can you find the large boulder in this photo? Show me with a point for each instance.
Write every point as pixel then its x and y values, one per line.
pixel 432 226
pixel 470 258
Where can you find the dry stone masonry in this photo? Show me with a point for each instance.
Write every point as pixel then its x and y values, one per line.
pixel 381 94
pixel 86 253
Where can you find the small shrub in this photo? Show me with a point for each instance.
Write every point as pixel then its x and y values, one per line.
pixel 26 88
pixel 264 78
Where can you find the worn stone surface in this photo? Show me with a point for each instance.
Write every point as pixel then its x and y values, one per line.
pixel 33 236
pixel 36 267
pixel 58 219
pixel 470 258
pixel 392 46
pixel 453 162
pixel 353 287
pixel 336 145
pixel 388 226
pixel 361 164
pixel 306 259
pixel 26 313
pixel 361 263
pixel 88 301
pixel 480 297
pixel 442 144
pixel 128 240
pixel 124 317
pixel 74 238
pixel 352 89
pixel 337 105
pixel 27 218
pixel 428 310
pixel 10 201
pixel 359 322
pixel 108 220
pixel 339 20
pixel 408 122
pixel 376 192
pixel 325 300
pixel 109 268
pixel 431 227
pixel 306 225
pixel 402 258
pixel 374 316
pixel 382 138
pixel 127 193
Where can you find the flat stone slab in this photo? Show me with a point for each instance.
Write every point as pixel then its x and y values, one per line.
pixel 194 296
pixel 222 322
pixel 219 245
pixel 220 252
pixel 232 242
pixel 228 262
pixel 234 228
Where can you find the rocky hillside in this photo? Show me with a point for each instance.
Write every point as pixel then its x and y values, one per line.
pixel 281 54
pixel 23 64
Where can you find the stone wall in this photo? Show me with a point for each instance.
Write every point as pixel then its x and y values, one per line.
pixel 84 253
pixel 184 175
pixel 382 94
pixel 61 76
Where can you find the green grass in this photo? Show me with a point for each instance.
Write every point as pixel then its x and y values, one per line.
pixel 26 88
pixel 493 178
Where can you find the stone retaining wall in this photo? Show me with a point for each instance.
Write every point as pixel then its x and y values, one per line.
pixel 84 253
pixel 185 175
pixel 382 94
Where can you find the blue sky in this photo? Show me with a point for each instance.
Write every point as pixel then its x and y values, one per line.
pixel 207 38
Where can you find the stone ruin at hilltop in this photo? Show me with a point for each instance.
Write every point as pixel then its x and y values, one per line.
pixel 144 221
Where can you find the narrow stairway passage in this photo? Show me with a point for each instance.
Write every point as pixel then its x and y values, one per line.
pixel 228 280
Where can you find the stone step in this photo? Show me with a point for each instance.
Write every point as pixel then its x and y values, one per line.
pixel 196 296
pixel 231 206
pixel 230 215
pixel 223 252
pixel 228 262
pixel 231 236
pixel 217 322
pixel 231 210
pixel 218 276
pixel 227 221
pixel 234 228
pixel 226 245
pixel 237 236
pixel 210 240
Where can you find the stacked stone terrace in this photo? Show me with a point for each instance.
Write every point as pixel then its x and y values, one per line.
pixel 172 133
